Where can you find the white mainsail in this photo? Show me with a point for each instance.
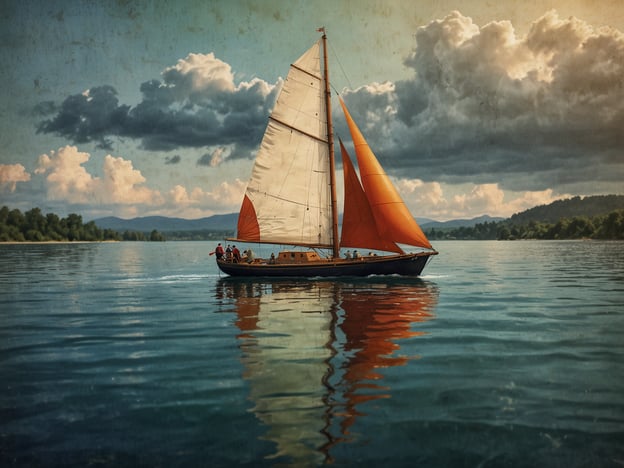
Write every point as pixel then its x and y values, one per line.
pixel 289 190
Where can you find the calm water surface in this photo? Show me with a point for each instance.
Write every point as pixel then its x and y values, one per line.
pixel 141 354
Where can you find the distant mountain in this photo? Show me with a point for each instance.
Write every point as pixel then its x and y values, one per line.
pixel 423 221
pixel 577 206
pixel 228 222
pixel 225 222
pixel 456 223
pixel 569 208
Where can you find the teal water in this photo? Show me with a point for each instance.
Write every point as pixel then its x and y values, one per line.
pixel 141 354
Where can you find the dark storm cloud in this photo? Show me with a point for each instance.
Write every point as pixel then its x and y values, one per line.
pixel 527 112
pixel 90 116
pixel 205 160
pixel 173 159
pixel 197 105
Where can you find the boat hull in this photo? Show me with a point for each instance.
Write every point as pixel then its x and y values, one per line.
pixel 405 265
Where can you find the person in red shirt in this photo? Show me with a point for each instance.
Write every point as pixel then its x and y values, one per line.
pixel 236 254
pixel 219 252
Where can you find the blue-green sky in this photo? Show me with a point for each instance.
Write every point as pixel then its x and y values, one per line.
pixel 133 108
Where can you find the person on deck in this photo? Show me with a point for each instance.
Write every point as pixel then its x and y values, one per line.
pixel 236 254
pixel 250 255
pixel 348 254
pixel 219 252
pixel 228 253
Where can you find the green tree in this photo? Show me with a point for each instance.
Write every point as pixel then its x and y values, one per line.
pixel 90 232
pixel 35 221
pixel 612 226
pixel 133 236
pixel 54 228
pixel 504 233
pixel 579 227
pixel 73 224
pixel 4 215
pixel 34 235
pixel 156 236
pixel 16 219
pixel 110 234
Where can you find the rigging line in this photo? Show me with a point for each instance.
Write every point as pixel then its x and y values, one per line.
pixel 341 69
pixel 280 198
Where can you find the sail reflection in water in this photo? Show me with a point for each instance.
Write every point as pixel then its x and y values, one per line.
pixel 312 351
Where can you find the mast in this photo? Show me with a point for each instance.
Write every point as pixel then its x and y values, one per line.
pixel 330 143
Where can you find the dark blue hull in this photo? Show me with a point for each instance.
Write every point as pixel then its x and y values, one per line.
pixel 406 265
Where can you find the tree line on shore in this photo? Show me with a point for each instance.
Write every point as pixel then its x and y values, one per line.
pixel 609 226
pixel 34 226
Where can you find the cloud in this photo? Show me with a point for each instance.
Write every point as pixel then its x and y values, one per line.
pixel 173 159
pixel 196 104
pixel 197 202
pixel 200 74
pixel 68 180
pixel 226 193
pixel 123 189
pixel 491 199
pixel 484 104
pixel 92 115
pixel 215 158
pixel 429 199
pixel 10 175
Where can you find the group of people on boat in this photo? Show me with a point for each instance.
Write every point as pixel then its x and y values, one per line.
pixel 233 255
pixel 356 254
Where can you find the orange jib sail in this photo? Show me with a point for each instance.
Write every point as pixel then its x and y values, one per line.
pixel 358 224
pixel 393 219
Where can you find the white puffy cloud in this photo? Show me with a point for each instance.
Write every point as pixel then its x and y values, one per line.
pixel 210 76
pixel 124 190
pixel 66 177
pixel 123 184
pixel 68 180
pixel 198 202
pixel 200 72
pixel 491 199
pixel 11 174
pixel 441 202
pixel 423 197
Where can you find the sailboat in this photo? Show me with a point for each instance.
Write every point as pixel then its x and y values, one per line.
pixel 291 195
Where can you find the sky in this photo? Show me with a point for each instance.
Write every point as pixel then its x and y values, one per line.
pixel 138 108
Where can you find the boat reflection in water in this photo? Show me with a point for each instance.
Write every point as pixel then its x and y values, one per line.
pixel 312 351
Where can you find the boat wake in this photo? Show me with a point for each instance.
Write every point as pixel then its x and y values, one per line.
pixel 170 279
pixel 433 277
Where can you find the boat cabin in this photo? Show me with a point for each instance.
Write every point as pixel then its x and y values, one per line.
pixel 292 256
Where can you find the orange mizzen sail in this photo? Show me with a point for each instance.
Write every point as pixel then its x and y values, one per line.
pixel 248 228
pixel 393 219
pixel 358 224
